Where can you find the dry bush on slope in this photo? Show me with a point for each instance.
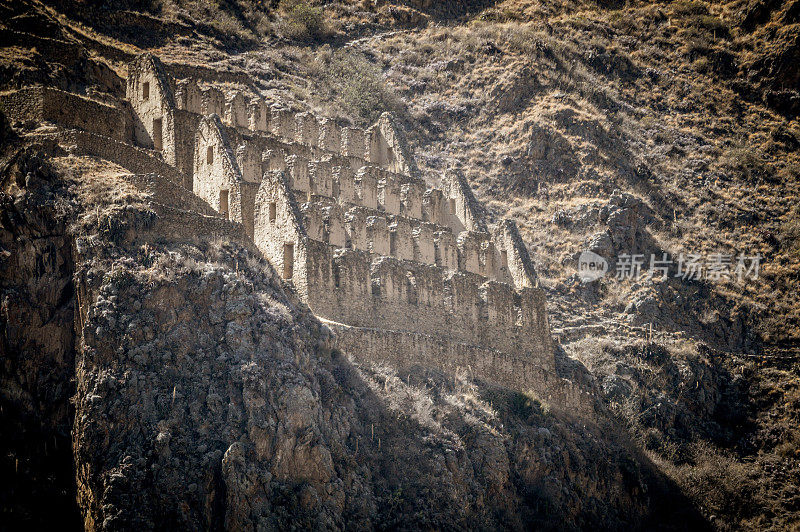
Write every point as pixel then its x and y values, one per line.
pixel 302 21
pixel 355 84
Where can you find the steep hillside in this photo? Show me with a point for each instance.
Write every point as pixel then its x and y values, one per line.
pixel 203 395
pixel 613 127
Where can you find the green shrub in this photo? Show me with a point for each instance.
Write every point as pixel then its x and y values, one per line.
pixel 229 26
pixel 522 405
pixel 500 15
pixel 302 21
pixel 244 20
pixel 713 24
pixel 511 402
pixel 356 84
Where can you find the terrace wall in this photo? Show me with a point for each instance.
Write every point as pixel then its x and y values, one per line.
pixel 364 290
pixel 45 104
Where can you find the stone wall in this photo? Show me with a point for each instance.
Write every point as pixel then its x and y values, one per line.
pixel 188 96
pixel 364 286
pixel 366 205
pixel 383 145
pixel 355 227
pixel 258 115
pixel 151 97
pixel 217 178
pixel 186 126
pixel 404 350
pixel 45 104
pixel 165 192
pixel 134 159
pixel 277 224
pixel 387 147
pixel 173 223
pixel 248 157
pixel 236 111
pixel 514 254
pixel 466 212
pixel 276 128
pixel 213 102
pixel 365 290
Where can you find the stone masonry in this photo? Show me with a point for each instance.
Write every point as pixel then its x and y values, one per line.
pixel 402 272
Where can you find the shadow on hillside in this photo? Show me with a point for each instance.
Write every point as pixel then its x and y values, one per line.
pixel 145 25
pixel 542 495
pixel 668 508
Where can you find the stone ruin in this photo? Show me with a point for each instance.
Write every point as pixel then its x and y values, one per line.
pixel 403 273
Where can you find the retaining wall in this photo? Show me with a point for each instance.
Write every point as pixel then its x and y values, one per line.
pixel 168 193
pixel 359 289
pixel 136 160
pixel 403 350
pixel 45 104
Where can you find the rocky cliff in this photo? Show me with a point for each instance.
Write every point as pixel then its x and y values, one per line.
pixel 200 394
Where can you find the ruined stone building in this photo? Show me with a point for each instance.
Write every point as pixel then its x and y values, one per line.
pixel 401 272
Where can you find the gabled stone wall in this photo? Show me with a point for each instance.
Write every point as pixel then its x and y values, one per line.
pixel 188 96
pixel 217 178
pixel 277 223
pixel 152 100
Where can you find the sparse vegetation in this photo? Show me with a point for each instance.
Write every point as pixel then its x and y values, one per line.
pixel 301 21
pixel 356 84
pixel 747 164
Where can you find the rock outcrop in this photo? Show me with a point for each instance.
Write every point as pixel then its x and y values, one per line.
pixel 38 346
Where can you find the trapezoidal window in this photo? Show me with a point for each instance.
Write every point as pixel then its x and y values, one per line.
pixel 273 212
pixel 223 203
pixel 337 276
pixel 288 260
pixel 452 203
pixel 504 258
pixel 210 155
pixel 158 133
pixel 146 90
